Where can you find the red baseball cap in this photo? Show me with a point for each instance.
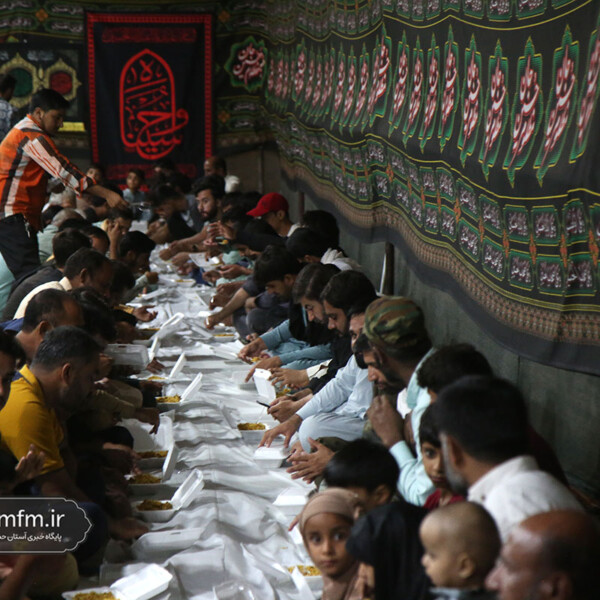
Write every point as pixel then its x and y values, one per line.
pixel 271 202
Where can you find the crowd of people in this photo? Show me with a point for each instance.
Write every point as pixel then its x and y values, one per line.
pixel 432 481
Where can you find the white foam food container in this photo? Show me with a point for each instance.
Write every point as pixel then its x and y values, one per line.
pixel 169 326
pixel 144 440
pixel 168 467
pixel 186 396
pixel 163 542
pixel 180 499
pixel 178 366
pixel 142 585
pixel 263 386
pixel 313 582
pixel 270 458
pixel 239 378
pixel 192 388
pixel 291 501
pixel 133 355
pixel 253 436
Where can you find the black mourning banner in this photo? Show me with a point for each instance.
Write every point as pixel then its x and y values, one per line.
pixel 150 90
pixel 466 132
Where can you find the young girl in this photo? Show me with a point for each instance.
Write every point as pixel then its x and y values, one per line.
pixel 433 462
pixel 325 524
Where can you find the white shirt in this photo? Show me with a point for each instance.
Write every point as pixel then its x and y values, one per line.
pixel 64 285
pixel 349 393
pixel 232 184
pixel 517 489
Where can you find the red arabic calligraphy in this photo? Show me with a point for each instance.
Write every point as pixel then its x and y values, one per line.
pixel 329 68
pixel 415 97
pixel 587 102
pixel 524 127
pixel 495 113
pixel 351 84
pixel 271 76
pixel 400 87
pixel 362 92
pixel 449 93
pixel 279 79
pixel 339 89
pixel 251 63
pixel 471 105
pixel 308 90
pixel 431 102
pixel 317 94
pixel 300 69
pixel 380 69
pixel 559 115
pixel 150 123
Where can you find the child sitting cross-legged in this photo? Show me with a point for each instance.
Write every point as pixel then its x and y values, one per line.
pixel 433 462
pixel 461 543
pixel 325 524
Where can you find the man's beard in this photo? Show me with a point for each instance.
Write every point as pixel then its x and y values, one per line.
pixel 457 482
pixel 393 384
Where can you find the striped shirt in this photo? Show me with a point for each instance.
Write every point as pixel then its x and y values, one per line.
pixel 28 158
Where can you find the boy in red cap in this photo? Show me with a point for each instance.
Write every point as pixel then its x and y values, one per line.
pixel 274 209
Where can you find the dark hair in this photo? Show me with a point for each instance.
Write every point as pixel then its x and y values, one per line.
pixel 84 258
pixel 251 198
pixel 273 264
pixel 162 194
pixel 10 347
pixel 179 181
pixel 139 172
pixel 233 199
pixel 123 278
pixel 236 214
pixel 97 316
pixel 312 280
pixel 48 99
pixel 323 223
pixel 137 242
pixel 428 431
pixel 65 344
pixel 47 305
pixel 214 183
pixel 218 162
pixel 50 213
pixel 258 226
pixel 67 242
pixel 364 464
pixel 96 232
pixel 486 415
pixel 74 223
pixel 348 289
pixel 450 363
pixel 7 82
pixel 361 345
pixel 165 163
pixel 99 167
pixel 304 242
pixel 7 467
pixel 97 201
pixel 124 213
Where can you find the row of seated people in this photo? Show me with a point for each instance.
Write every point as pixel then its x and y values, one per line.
pixel 356 365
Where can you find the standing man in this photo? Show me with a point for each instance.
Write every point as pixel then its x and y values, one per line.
pixel 216 165
pixel 28 158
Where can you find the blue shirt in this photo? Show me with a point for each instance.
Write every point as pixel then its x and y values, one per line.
pixel 413 484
